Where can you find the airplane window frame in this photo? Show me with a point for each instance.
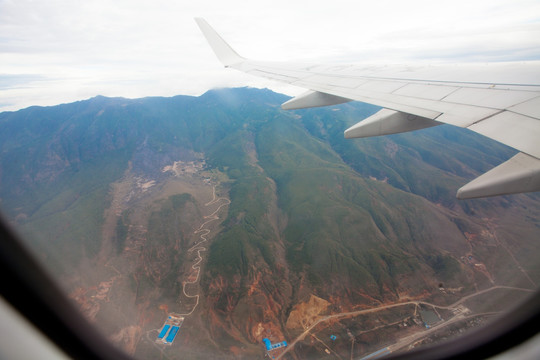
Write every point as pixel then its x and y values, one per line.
pixel 27 286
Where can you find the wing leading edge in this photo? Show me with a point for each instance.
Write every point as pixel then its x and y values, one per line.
pixel 501 101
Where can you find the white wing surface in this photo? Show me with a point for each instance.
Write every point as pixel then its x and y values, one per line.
pixel 500 100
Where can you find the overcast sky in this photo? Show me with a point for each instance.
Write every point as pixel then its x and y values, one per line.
pixel 58 51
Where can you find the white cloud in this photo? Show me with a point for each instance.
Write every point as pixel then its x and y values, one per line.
pixel 78 49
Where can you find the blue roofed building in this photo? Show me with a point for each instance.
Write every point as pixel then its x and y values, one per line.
pixel 267 343
pixel 270 346
pixel 164 331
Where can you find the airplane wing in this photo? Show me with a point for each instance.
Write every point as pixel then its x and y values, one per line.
pixel 501 101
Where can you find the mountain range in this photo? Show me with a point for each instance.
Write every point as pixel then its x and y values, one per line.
pixel 247 219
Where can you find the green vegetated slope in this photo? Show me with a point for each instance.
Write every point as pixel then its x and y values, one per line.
pixel 355 222
pixel 168 230
pixel 359 222
pixel 58 162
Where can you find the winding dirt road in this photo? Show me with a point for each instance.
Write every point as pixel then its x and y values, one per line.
pixel 196 266
pixel 198 246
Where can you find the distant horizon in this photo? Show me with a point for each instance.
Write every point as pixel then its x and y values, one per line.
pixel 145 97
pixel 252 82
pixel 59 52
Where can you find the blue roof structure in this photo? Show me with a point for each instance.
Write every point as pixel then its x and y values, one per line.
pixel 170 328
pixel 267 343
pixel 164 331
pixel 270 346
pixel 172 334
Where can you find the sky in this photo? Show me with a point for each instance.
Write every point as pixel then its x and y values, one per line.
pixel 60 51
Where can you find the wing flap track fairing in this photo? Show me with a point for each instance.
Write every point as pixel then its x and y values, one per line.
pixel 311 99
pixel 519 174
pixel 386 122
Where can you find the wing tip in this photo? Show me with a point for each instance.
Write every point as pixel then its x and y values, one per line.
pixel 224 52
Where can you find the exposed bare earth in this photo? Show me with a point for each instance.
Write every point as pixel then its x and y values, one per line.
pixel 305 314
